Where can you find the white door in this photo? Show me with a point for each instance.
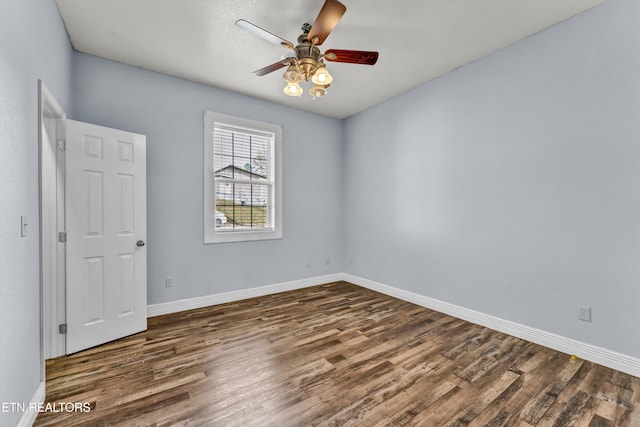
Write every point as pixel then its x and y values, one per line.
pixel 105 206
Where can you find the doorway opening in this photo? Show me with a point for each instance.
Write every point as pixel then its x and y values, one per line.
pixel 51 140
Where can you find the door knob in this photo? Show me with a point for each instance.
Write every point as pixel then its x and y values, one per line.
pixel 140 243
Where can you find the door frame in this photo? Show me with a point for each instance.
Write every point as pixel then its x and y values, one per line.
pixel 51 119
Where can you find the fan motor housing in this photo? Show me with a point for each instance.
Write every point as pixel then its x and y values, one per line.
pixel 307 56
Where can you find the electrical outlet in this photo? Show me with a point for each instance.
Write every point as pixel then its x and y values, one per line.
pixel 327 261
pixel 168 281
pixel 308 264
pixel 584 313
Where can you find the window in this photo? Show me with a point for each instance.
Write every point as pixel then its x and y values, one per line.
pixel 242 182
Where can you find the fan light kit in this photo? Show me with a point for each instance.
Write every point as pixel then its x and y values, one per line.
pixel 307 63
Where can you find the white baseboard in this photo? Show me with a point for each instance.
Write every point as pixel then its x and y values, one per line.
pixel 599 355
pixel 207 300
pixel 29 415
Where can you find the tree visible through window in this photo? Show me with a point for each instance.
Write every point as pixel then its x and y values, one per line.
pixel 242 166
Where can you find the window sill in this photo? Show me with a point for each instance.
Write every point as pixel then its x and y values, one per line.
pixel 242 236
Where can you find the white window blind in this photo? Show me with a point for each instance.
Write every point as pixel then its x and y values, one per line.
pixel 242 190
pixel 243 178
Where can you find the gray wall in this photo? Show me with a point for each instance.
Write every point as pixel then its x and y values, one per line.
pixel 33 44
pixel 511 186
pixel 170 112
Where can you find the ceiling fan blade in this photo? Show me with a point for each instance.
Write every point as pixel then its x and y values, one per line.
pixel 351 56
pixel 262 33
pixel 325 22
pixel 271 68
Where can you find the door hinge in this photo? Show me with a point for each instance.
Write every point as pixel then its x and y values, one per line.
pixel 62 328
pixel 62 237
pixel 62 144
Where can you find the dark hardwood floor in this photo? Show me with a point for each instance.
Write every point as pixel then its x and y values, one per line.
pixel 332 355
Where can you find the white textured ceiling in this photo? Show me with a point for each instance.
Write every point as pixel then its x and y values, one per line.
pixel 197 40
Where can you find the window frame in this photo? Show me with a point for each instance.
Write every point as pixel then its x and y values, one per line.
pixel 211 234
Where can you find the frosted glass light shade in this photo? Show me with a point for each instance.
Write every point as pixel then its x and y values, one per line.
pixel 322 76
pixel 292 75
pixel 318 91
pixel 293 89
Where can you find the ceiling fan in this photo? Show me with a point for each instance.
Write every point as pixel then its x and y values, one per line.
pixel 307 61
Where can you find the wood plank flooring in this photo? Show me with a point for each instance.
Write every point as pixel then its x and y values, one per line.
pixel 332 355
